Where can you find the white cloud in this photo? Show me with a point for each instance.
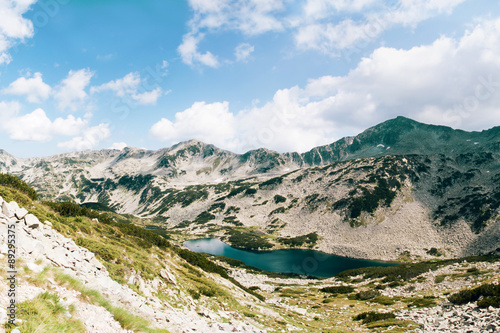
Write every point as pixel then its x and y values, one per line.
pixel 251 17
pixel 190 55
pixel 131 86
pixel 206 122
pixel 317 31
pixel 34 88
pixel 457 85
pixel 328 26
pixel 126 85
pixel 13 26
pixel 36 126
pixel 243 51
pixel 148 97
pixel 118 145
pixel 89 139
pixel 9 109
pixel 71 92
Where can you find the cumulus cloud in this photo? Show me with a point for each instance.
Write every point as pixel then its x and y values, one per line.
pixel 148 97
pixel 458 85
pixel 206 122
pixel 190 55
pixel 131 86
pixel 13 26
pixel 118 145
pixel 251 17
pixel 90 138
pixel 318 31
pixel 9 109
pixel 34 88
pixel 243 51
pixel 71 93
pixel 328 26
pixel 36 126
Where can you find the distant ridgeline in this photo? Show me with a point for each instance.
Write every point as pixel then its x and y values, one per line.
pixel 399 187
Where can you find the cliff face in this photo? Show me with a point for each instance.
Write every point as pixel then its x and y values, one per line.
pixel 399 186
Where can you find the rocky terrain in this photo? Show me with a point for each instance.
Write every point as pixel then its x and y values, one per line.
pixel 398 188
pixel 95 275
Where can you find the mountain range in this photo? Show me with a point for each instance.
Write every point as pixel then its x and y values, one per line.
pixel 400 188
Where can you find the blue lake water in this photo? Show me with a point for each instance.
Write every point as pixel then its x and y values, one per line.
pixel 304 262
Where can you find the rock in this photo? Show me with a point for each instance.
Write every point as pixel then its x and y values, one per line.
pixel 7 210
pixel 168 277
pixel 34 267
pixel 30 220
pixel 14 205
pixel 21 213
pixel 47 223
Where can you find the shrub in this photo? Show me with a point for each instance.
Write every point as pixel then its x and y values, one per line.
pixel 250 191
pixel 16 183
pixel 369 317
pixel 309 239
pixel 278 199
pixel 490 294
pixel 367 294
pixel 271 183
pixel 247 240
pixel 204 218
pixel 337 290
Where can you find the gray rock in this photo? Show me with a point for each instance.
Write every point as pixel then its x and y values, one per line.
pixel 31 219
pixel 21 213
pixel 168 277
pixel 14 205
pixel 7 210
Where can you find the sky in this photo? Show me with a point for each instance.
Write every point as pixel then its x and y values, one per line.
pixel 286 75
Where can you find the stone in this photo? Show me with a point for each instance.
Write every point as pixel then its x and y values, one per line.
pixel 14 205
pixel 21 213
pixel 7 210
pixel 31 219
pixel 168 277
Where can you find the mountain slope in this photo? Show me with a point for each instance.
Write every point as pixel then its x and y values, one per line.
pixel 400 186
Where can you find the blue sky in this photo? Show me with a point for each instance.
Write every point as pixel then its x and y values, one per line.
pixel 287 75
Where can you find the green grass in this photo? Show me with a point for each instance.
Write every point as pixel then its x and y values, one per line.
pixel 126 319
pixel 43 314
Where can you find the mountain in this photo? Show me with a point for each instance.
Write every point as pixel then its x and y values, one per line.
pixel 78 270
pixel 399 187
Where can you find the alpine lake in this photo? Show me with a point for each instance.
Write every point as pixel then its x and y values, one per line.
pixel 303 262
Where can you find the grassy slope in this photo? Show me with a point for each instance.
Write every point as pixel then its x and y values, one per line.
pixel 121 251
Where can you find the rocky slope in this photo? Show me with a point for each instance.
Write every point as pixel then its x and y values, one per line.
pixel 101 276
pixel 398 187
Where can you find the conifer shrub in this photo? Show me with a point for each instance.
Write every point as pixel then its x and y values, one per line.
pixel 16 183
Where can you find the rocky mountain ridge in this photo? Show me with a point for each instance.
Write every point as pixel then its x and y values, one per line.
pixel 377 195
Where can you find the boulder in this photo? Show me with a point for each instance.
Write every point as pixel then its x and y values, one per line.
pixel 7 210
pixel 21 213
pixel 14 205
pixel 168 277
pixel 31 220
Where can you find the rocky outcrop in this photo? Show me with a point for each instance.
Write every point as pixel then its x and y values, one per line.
pixel 452 318
pixel 39 242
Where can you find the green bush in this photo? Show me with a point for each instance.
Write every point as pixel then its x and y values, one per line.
pixel 337 290
pixel 271 183
pixel 204 218
pixel 489 293
pixel 16 183
pixel 247 240
pixel 278 199
pixel 309 239
pixel 369 317
pixel 367 294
